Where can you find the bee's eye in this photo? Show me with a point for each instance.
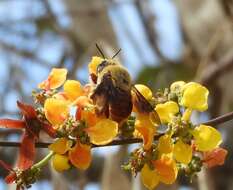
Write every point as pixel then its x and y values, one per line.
pixel 101 66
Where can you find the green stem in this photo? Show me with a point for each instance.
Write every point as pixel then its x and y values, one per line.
pixel 44 161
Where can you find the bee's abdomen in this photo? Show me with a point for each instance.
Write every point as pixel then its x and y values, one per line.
pixel 120 105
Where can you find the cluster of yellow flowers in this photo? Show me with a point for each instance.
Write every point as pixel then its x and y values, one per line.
pixel 72 148
pixel 66 106
pixel 183 146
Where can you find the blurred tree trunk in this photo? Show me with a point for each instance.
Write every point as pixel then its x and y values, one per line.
pixel 114 177
pixel 91 23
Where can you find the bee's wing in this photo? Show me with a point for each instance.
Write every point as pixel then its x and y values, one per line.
pixel 101 95
pixel 143 106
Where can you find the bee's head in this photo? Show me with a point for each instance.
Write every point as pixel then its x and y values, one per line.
pixel 104 64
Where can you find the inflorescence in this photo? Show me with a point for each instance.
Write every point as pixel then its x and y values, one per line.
pixel 67 112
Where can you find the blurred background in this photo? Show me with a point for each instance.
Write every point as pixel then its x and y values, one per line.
pixel 161 40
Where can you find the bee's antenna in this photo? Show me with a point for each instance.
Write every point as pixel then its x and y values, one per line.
pixel 116 53
pixel 101 52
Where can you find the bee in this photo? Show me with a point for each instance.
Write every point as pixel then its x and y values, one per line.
pixel 113 93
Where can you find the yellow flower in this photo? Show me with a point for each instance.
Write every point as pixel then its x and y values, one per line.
pixel 103 132
pixel 165 144
pixel 177 86
pixel 83 101
pixel 94 64
pixel 206 138
pixel 150 178
pixel 195 96
pixel 80 156
pixel 165 171
pixel 90 117
pixel 61 146
pixel 55 79
pixel 166 168
pixel 144 90
pixel 56 110
pixel 73 89
pixel 60 162
pixel 146 128
pixel 166 111
pixel 182 152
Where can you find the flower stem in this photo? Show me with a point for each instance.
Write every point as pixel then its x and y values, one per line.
pixel 44 161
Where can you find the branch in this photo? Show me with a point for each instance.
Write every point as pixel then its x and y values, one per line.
pixel 46 144
pixel 23 53
pixel 218 120
pixel 214 71
pixel 221 119
pixel 148 18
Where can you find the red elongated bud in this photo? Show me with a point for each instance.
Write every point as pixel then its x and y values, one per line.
pixel 27 151
pixel 11 123
pixel 27 110
pixel 10 178
pixel 49 130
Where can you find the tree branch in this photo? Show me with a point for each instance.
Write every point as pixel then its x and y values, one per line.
pixel 147 18
pixel 23 53
pixel 214 71
pixel 221 119
pixel 218 120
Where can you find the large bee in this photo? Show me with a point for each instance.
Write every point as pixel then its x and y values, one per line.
pixel 113 92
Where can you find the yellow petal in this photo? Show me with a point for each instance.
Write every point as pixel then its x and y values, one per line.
pixel 166 111
pixel 177 86
pixel 89 117
pixel 146 128
pixel 187 114
pixel 56 110
pixel 147 135
pixel 73 89
pixel 80 156
pixel 94 64
pixel 83 101
pixel 182 152
pixel 61 96
pixel 206 138
pixel 60 162
pixel 166 168
pixel 144 90
pixel 55 79
pixel 103 132
pixel 61 146
pixel 195 96
pixel 150 178
pixel 165 144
